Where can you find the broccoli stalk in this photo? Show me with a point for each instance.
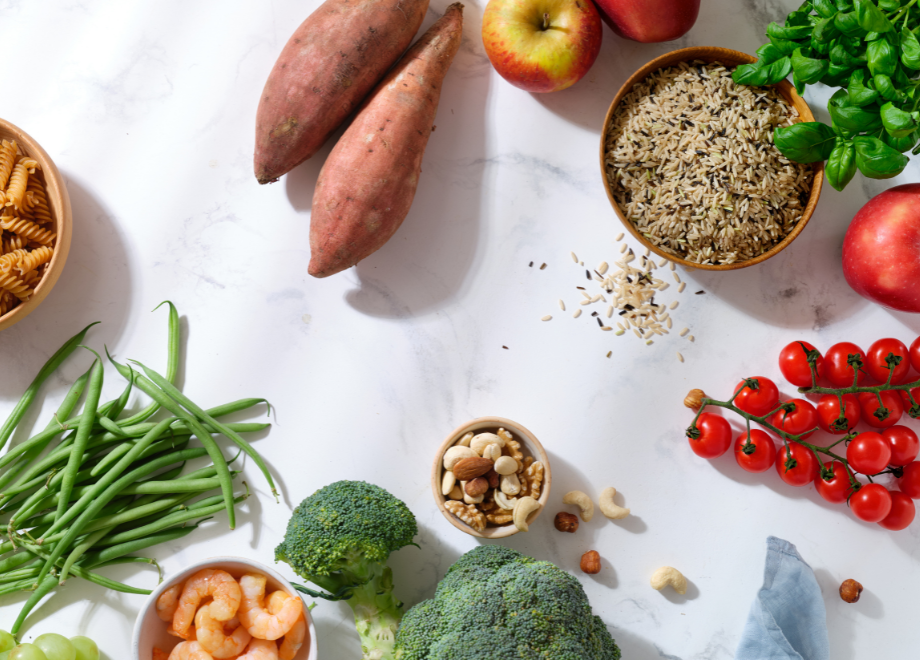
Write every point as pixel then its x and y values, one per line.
pixel 339 539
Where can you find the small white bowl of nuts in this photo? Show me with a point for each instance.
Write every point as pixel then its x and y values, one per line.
pixel 491 478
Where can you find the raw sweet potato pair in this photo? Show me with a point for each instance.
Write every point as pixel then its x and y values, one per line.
pixel 367 185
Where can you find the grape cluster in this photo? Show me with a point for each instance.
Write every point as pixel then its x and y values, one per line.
pixel 49 646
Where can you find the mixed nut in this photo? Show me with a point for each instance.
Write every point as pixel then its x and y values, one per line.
pixel 488 480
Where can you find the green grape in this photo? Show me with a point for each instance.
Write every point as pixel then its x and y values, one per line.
pixel 5 655
pixel 56 647
pixel 7 642
pixel 86 648
pixel 27 652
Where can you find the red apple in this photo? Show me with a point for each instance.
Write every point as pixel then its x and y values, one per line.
pixel 881 250
pixel 541 45
pixel 649 21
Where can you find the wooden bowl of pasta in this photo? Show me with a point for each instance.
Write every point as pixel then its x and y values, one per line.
pixel 35 224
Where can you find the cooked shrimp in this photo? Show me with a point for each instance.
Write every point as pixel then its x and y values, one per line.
pixel 214 640
pixel 160 654
pixel 218 584
pixel 168 602
pixel 189 651
pixel 294 637
pixel 260 623
pixel 188 636
pixel 260 649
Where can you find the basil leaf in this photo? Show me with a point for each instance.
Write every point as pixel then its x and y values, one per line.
pixel 841 164
pixel 758 74
pixel 887 89
pixel 901 81
pixel 840 99
pixel 903 144
pixel 853 118
pixel 870 17
pixel 860 95
pixel 806 142
pixel 825 30
pixel 799 17
pixel 854 46
pixel 825 8
pixel 897 122
pixel 876 159
pixel 839 55
pixel 910 50
pixel 849 25
pixel 837 75
pixel 882 58
pixel 843 5
pixel 808 70
pixel 889 5
pixel 787 47
pixel 777 31
pixel 798 84
pixel 769 53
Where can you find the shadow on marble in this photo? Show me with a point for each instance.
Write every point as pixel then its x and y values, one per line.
pixel 635 647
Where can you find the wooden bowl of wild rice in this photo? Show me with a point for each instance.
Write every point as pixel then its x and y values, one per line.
pixel 689 164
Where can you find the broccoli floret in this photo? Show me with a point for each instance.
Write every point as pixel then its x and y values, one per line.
pixel 339 538
pixel 497 603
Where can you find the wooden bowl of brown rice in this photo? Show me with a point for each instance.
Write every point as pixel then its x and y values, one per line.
pixel 689 165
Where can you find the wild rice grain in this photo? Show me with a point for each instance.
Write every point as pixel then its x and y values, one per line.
pixel 543 267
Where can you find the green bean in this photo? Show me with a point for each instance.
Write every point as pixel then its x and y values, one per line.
pixel 138 513
pixel 49 368
pixel 111 458
pixel 172 391
pixel 172 363
pixel 111 426
pixel 45 587
pixel 81 572
pixel 114 507
pixel 93 391
pixel 174 486
pixel 21 574
pixel 15 561
pixel 101 557
pixel 121 401
pixel 223 471
pixel 88 542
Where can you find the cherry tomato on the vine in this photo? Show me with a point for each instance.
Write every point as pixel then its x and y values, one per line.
pixel 837 488
pixel 909 482
pixel 760 401
pixel 868 453
pixel 829 413
pixel 915 354
pixel 868 404
pixel 756 456
pixel 905 398
pixel 715 436
pixel 793 362
pixel 872 502
pixel 905 445
pixel 901 514
pixel 876 363
pixel 802 418
pixel 803 468
pixel 836 368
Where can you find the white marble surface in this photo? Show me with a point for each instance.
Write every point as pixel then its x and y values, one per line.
pixel 148 109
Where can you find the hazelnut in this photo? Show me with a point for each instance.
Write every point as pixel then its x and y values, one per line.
pixel 476 487
pixel 566 522
pixel 493 478
pixel 695 399
pixel 850 590
pixel 591 562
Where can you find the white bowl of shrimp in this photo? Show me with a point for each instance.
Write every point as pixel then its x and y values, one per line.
pixel 225 608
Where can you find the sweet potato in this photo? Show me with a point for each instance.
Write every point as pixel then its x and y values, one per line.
pixel 326 69
pixel 367 184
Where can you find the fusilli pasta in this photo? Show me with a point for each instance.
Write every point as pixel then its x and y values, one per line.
pixel 27 230
pixel 32 260
pixel 15 286
pixel 7 160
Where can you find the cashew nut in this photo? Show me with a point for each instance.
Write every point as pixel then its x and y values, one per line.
pixel 608 507
pixel 503 501
pixel 510 484
pixel 522 510
pixel 582 501
pixel 447 482
pixel 479 442
pixel 455 454
pixel 668 575
pixel 506 465
pixel 493 452
pixel 464 441
pixel 470 499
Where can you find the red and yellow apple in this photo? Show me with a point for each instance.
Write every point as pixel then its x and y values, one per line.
pixel 649 21
pixel 881 250
pixel 542 45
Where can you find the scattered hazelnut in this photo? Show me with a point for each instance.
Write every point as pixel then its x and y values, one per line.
pixel 566 522
pixel 476 487
pixel 591 562
pixel 695 399
pixel 493 478
pixel 850 590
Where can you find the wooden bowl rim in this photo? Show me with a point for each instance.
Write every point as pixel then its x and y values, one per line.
pixel 527 439
pixel 728 57
pixel 59 203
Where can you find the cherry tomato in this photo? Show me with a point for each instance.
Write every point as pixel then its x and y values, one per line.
pixel 915 354
pixel 758 402
pixel 909 483
pixel 715 436
pixel 905 445
pixel 902 512
pixel 829 412
pixel 868 453
pixel 837 488
pixel 757 456
pixel 878 368
pixel 872 502
pixel 868 404
pixel 905 398
pixel 794 363
pixel 838 372
pixel 803 418
pixel 804 468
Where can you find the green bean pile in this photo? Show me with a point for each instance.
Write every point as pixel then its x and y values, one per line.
pixel 112 485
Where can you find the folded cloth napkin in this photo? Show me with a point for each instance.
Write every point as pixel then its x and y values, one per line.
pixel 787 620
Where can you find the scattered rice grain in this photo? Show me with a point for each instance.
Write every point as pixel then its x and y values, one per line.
pixel 679 356
pixel 683 333
pixel 620 236
pixel 680 289
pixel 674 304
pixel 574 258
pixel 602 268
pixel 561 305
pixel 576 314
pixel 547 318
pixel 623 248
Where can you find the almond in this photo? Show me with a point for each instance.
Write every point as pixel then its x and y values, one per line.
pixel 470 468
pixel 493 478
pixel 476 487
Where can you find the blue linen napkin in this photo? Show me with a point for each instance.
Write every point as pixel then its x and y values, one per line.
pixel 787 620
